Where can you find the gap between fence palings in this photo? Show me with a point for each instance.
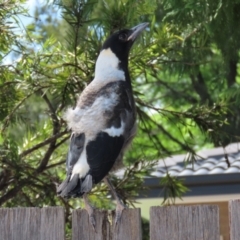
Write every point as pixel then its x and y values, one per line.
pixel 234 219
pixel 129 227
pixel 184 223
pixel 32 223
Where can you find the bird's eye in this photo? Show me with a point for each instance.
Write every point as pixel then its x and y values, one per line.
pixel 123 36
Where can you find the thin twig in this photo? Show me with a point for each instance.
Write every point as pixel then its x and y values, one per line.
pixel 8 118
pixel 45 142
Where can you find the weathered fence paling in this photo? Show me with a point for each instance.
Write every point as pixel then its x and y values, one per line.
pixel 32 223
pixel 184 223
pixel 128 228
pixel 234 219
pixel 199 222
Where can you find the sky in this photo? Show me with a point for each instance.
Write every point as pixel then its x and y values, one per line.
pixel 30 5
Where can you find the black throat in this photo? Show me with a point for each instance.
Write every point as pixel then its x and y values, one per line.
pixel 123 65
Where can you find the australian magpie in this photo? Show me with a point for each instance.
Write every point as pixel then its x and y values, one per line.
pixel 103 123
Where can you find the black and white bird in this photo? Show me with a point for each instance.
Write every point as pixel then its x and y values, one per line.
pixel 103 123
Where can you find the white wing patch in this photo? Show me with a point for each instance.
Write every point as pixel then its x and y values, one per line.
pixel 81 167
pixel 115 132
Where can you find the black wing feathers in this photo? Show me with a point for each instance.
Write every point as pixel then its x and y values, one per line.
pixel 102 153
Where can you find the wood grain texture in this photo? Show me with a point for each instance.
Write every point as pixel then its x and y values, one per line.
pixel 32 223
pixel 234 219
pixel 52 223
pixel 82 229
pixel 184 223
pixel 128 228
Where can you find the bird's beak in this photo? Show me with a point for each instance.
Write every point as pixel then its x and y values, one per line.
pixel 136 31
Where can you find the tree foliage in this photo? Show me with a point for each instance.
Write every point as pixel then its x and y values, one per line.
pixel 184 73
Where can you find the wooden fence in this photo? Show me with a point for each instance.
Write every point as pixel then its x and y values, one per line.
pixel 199 222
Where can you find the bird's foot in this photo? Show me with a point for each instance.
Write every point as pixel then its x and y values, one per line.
pixel 91 217
pixel 90 211
pixel 118 213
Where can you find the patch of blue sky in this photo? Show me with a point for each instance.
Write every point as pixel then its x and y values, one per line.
pixel 20 24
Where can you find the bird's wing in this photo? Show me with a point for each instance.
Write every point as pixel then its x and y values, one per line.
pixel 102 154
pixel 103 151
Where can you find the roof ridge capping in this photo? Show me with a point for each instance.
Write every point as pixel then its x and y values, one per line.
pixel 209 161
pixel 231 148
pixel 204 154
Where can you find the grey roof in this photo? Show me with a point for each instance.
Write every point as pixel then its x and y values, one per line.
pixel 211 161
pixel 210 174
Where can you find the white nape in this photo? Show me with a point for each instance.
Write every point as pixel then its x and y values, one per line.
pixel 106 69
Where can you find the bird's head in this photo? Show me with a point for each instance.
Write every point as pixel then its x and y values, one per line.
pixel 121 41
pixel 112 62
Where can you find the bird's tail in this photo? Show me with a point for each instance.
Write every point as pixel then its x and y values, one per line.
pixel 73 186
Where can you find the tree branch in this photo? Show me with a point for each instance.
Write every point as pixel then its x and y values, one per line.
pixel 232 73
pixel 47 141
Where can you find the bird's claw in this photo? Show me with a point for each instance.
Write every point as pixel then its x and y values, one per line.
pixel 92 220
pixel 90 211
pixel 119 209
